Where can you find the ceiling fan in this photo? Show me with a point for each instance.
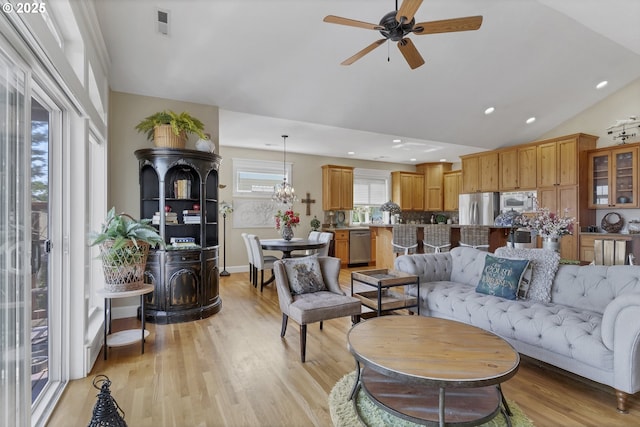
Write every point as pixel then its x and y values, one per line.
pixel 399 23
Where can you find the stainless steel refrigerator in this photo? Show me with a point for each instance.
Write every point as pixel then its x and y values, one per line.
pixel 479 208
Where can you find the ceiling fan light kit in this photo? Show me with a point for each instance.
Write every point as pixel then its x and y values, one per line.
pixel 397 24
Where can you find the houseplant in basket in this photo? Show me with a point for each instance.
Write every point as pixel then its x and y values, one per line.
pixel 170 129
pixel 124 245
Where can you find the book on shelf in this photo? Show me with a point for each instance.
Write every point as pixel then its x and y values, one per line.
pixel 191 212
pixel 191 220
pixel 182 240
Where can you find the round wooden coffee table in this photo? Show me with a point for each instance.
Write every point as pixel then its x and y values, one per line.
pixel 432 371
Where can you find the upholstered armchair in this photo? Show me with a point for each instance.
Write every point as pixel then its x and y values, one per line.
pixel 309 292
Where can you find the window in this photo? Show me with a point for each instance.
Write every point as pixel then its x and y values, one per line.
pixel 370 190
pixel 253 178
pixel 370 187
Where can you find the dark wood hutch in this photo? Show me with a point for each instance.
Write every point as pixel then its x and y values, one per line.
pixel 186 281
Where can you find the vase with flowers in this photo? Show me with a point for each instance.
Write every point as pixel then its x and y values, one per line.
pixel 548 225
pixel 285 221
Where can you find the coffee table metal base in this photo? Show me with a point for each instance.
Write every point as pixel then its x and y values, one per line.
pixel 431 406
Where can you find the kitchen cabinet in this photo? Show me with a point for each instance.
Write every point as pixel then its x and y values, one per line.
pixel 341 241
pixel 407 190
pixel 563 200
pixel 480 172
pixel 337 188
pixel 613 176
pixel 518 169
pixel 452 182
pixel 374 233
pixel 587 253
pixel 433 184
pixel 559 160
pixel 186 281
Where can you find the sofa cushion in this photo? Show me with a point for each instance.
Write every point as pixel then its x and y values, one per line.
pixel 545 265
pixel 501 276
pixel 304 275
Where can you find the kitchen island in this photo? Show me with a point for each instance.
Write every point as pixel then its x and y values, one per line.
pixel 385 257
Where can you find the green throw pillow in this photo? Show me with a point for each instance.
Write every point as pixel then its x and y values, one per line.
pixel 501 276
pixel 304 275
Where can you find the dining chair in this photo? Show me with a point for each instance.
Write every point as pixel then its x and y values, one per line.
pixel 437 238
pixel 609 252
pixel 245 238
pixel 404 238
pixel 324 237
pixel 309 291
pixel 261 262
pixel 475 236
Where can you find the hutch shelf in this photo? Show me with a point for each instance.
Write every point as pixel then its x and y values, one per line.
pixel 180 189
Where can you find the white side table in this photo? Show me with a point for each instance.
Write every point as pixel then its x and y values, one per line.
pixel 129 336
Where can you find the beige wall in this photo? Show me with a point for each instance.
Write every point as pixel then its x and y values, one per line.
pixel 307 178
pixel 125 112
pixel 596 119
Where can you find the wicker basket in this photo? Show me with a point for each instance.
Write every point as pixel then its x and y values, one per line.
pixel 612 222
pixel 163 136
pixel 124 268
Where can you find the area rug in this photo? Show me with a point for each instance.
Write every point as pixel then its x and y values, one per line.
pixel 344 415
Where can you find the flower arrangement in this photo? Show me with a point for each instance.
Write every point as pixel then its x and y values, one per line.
pixel 288 217
pixel 225 208
pixel 547 223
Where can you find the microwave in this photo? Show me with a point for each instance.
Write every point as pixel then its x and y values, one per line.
pixel 519 201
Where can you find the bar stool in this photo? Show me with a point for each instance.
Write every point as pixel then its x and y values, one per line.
pixel 437 238
pixel 405 238
pixel 475 236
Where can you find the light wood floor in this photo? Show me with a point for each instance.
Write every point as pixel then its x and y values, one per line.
pixel 233 369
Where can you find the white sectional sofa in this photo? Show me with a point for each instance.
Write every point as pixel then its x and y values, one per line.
pixel 590 326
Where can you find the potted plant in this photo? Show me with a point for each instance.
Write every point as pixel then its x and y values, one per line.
pixel 124 245
pixel 170 129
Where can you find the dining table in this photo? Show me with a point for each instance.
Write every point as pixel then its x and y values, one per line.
pixel 288 246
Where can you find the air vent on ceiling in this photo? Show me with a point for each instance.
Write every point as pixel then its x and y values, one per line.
pixel 162 18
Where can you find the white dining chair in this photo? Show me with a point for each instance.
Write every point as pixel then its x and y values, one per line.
pixel 245 238
pixel 261 262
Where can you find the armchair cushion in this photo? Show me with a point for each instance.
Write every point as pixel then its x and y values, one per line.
pixel 304 275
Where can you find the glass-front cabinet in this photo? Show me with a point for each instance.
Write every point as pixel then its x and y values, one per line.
pixel 614 177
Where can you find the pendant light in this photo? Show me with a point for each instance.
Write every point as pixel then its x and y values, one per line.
pixel 284 193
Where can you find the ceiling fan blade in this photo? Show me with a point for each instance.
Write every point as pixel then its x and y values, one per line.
pixel 363 52
pixel 410 53
pixel 448 25
pixel 351 22
pixel 408 9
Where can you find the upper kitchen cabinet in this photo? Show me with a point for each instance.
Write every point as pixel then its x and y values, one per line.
pixel 433 184
pixel 613 176
pixel 558 160
pixel 407 190
pixel 518 169
pixel 480 172
pixel 337 188
pixel 452 185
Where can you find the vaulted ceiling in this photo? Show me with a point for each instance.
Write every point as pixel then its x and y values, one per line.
pixel 273 67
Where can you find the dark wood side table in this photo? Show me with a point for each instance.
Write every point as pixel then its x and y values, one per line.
pixel 129 336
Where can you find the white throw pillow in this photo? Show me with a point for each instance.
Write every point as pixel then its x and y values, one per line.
pixel 545 265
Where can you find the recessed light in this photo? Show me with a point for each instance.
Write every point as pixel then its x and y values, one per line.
pixel 443 160
pixel 351 153
pixel 602 84
pixel 489 110
pixel 397 141
pixel 531 120
pixel 412 160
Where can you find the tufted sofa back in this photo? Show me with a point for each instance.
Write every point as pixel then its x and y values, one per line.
pixel 592 287
pixel 461 264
